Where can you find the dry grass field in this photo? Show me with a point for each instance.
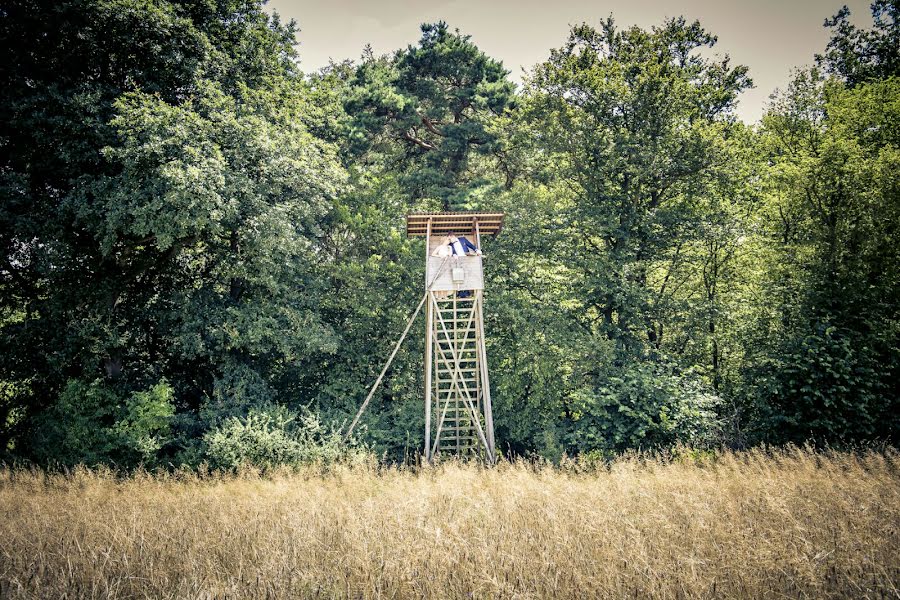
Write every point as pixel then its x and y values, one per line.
pixel 791 524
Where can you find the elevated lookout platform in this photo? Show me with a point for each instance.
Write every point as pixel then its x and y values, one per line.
pixel 456 273
pixel 458 416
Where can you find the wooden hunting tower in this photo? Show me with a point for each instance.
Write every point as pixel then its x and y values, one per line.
pixel 458 418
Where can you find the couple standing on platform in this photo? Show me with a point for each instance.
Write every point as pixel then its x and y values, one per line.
pixel 456 246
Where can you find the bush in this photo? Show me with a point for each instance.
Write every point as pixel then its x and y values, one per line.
pixel 274 436
pixel 145 423
pixel 644 406
pixel 826 383
pixel 91 423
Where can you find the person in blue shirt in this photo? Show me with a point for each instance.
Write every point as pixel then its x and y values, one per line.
pixel 461 246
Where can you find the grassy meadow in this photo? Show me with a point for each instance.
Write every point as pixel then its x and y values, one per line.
pixel 794 523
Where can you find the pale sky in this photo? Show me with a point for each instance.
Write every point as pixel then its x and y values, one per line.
pixel 769 36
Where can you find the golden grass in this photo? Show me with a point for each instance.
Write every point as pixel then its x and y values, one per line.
pixel 753 525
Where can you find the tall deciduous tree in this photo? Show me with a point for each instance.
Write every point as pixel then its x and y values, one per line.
pixel 826 366
pixel 163 199
pixel 859 55
pixel 632 122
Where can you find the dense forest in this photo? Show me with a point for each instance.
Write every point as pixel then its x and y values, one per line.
pixel 203 255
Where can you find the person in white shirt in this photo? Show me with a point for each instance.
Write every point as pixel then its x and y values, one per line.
pixel 456 246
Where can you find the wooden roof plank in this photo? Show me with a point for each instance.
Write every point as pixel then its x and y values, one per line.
pixel 489 223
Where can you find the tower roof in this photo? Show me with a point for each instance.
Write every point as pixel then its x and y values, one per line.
pixel 442 223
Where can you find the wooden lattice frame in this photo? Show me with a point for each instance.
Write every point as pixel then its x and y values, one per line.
pixel 455 356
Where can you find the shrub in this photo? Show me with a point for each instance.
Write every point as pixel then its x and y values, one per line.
pixel 92 423
pixel 274 436
pixel 644 406
pixel 145 423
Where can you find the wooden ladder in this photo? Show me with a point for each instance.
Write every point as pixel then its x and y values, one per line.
pixel 457 377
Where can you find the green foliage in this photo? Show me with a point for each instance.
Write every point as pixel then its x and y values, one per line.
pixel 144 424
pixel 198 243
pixel 431 106
pixel 634 120
pixel 826 385
pixel 633 130
pixel 266 438
pixel 641 406
pixel 862 55
pixel 827 363
pixel 77 428
pixel 91 423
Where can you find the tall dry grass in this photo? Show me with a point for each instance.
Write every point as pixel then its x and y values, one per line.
pixel 754 525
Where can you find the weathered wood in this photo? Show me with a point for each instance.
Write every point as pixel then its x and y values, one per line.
pixel 440 271
pixel 488 409
pixel 454 222
pixel 437 435
pixel 429 318
pixel 464 393
pixel 450 403
pixel 458 415
pixel 386 365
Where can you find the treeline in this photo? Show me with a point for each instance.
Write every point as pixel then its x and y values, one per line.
pixel 203 253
